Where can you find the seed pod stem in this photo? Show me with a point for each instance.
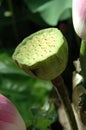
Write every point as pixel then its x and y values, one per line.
pixel 62 92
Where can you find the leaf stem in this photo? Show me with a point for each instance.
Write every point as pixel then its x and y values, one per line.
pixel 83 59
pixel 62 92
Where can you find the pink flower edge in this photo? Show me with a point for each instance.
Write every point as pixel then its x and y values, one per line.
pixel 9 116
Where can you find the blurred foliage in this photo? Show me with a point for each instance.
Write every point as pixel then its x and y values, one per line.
pixel 51 11
pixel 28 94
pixel 47 11
pixel 19 19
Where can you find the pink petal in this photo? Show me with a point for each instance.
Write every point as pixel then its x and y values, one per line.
pixel 79 17
pixel 80 7
pixel 9 115
pixel 7 126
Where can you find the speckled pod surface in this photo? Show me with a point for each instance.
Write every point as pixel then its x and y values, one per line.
pixel 43 54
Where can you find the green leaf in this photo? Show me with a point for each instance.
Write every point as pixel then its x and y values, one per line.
pixel 55 11
pixel 44 116
pixel 43 123
pixel 7 65
pixel 19 88
pixel 51 11
pixel 37 5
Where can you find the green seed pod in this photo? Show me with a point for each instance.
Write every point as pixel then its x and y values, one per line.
pixel 43 54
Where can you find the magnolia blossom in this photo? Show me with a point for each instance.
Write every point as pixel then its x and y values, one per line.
pixel 79 17
pixel 10 118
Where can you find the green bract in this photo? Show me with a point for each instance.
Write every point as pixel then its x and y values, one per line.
pixel 43 54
